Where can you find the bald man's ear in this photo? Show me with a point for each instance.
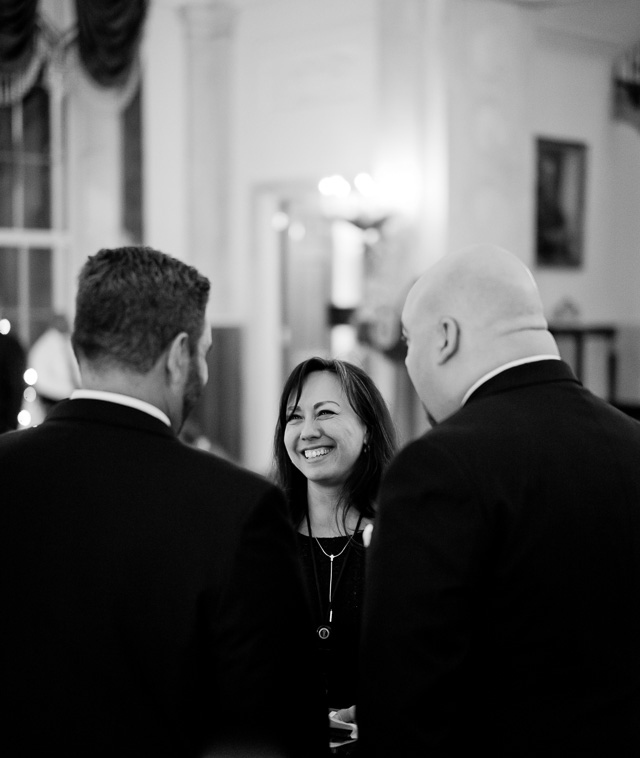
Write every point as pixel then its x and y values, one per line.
pixel 178 358
pixel 448 340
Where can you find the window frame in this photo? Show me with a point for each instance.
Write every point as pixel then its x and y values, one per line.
pixel 55 238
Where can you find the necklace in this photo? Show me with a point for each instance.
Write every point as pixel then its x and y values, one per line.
pixel 337 555
pixel 324 630
pixel 331 557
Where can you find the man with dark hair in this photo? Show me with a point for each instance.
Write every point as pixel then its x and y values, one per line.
pixel 153 602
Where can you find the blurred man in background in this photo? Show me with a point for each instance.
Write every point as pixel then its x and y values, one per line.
pixel 12 368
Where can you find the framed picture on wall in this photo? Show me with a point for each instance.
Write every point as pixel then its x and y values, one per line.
pixel 560 188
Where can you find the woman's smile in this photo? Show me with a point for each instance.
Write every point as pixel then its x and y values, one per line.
pixel 316 452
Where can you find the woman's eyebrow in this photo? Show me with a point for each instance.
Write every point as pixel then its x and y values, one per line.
pixel 322 402
pixel 291 408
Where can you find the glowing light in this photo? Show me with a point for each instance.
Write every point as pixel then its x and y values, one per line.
pixel 344 341
pixel 325 186
pixel 399 187
pixel 30 394
pixel 371 236
pixel 5 326
pixel 297 231
pixel 31 376
pixel 24 418
pixel 279 221
pixel 347 261
pixel 365 185
pixel 334 186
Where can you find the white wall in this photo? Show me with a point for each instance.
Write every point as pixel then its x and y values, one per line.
pixel 164 115
pixel 625 252
pixel 304 95
pixel 489 50
pixel 624 155
pixel 572 96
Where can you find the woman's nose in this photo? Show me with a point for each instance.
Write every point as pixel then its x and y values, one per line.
pixel 310 428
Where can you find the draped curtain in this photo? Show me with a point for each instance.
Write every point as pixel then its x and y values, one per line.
pixel 17 34
pixel 626 79
pixel 107 35
pixel 21 54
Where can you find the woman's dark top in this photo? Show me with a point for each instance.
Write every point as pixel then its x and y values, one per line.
pixel 339 654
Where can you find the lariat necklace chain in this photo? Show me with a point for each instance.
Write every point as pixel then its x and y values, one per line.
pixel 331 557
pixel 338 554
pixel 324 630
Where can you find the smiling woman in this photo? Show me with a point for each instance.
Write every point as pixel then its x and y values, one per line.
pixel 324 437
pixel 333 440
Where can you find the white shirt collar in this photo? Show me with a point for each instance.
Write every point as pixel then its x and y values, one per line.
pixel 500 369
pixel 115 397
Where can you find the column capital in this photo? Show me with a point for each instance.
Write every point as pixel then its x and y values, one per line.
pixel 208 20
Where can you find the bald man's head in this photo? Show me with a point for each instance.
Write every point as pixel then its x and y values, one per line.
pixel 471 312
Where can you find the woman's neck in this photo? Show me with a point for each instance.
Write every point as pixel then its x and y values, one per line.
pixel 326 514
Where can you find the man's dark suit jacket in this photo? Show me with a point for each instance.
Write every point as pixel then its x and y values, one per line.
pixel 152 601
pixel 502 606
pixel 13 362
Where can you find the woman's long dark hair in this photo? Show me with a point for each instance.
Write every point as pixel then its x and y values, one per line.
pixel 361 487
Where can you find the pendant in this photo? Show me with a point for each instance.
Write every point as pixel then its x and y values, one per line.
pixel 324 632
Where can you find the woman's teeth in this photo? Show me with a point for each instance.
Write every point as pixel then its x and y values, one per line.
pixel 316 453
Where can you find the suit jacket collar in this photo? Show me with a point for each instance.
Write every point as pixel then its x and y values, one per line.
pixel 107 413
pixel 540 372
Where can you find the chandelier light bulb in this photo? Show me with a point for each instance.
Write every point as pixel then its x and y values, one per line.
pixel 365 184
pixel 31 376
pixel 334 186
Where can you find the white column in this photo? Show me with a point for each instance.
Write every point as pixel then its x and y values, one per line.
pixel 208 30
pixel 489 45
pixel 164 124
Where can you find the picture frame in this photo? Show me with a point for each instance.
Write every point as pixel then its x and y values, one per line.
pixel 560 192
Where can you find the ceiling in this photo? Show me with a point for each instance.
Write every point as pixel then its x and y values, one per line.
pixel 616 22
pixel 613 21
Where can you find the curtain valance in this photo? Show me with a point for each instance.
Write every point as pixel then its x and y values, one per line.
pixel 107 35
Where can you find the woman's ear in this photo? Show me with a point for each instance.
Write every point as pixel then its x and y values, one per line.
pixel 448 340
pixel 178 359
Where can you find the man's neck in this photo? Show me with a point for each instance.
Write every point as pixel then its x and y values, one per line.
pixel 144 387
pixel 120 399
pixel 505 367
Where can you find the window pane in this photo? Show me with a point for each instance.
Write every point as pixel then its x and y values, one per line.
pixel 37 197
pixel 40 320
pixel 7 178
pixel 132 168
pixel 40 277
pixel 9 277
pixel 5 129
pixel 36 121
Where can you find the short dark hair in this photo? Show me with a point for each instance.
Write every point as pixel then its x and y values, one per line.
pixel 132 301
pixel 361 487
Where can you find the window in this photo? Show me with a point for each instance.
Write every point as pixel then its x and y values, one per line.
pixel 27 238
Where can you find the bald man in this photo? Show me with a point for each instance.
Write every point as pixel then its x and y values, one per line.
pixel 502 608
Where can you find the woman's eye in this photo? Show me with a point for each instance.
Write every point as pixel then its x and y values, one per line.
pixel 326 412
pixel 294 417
